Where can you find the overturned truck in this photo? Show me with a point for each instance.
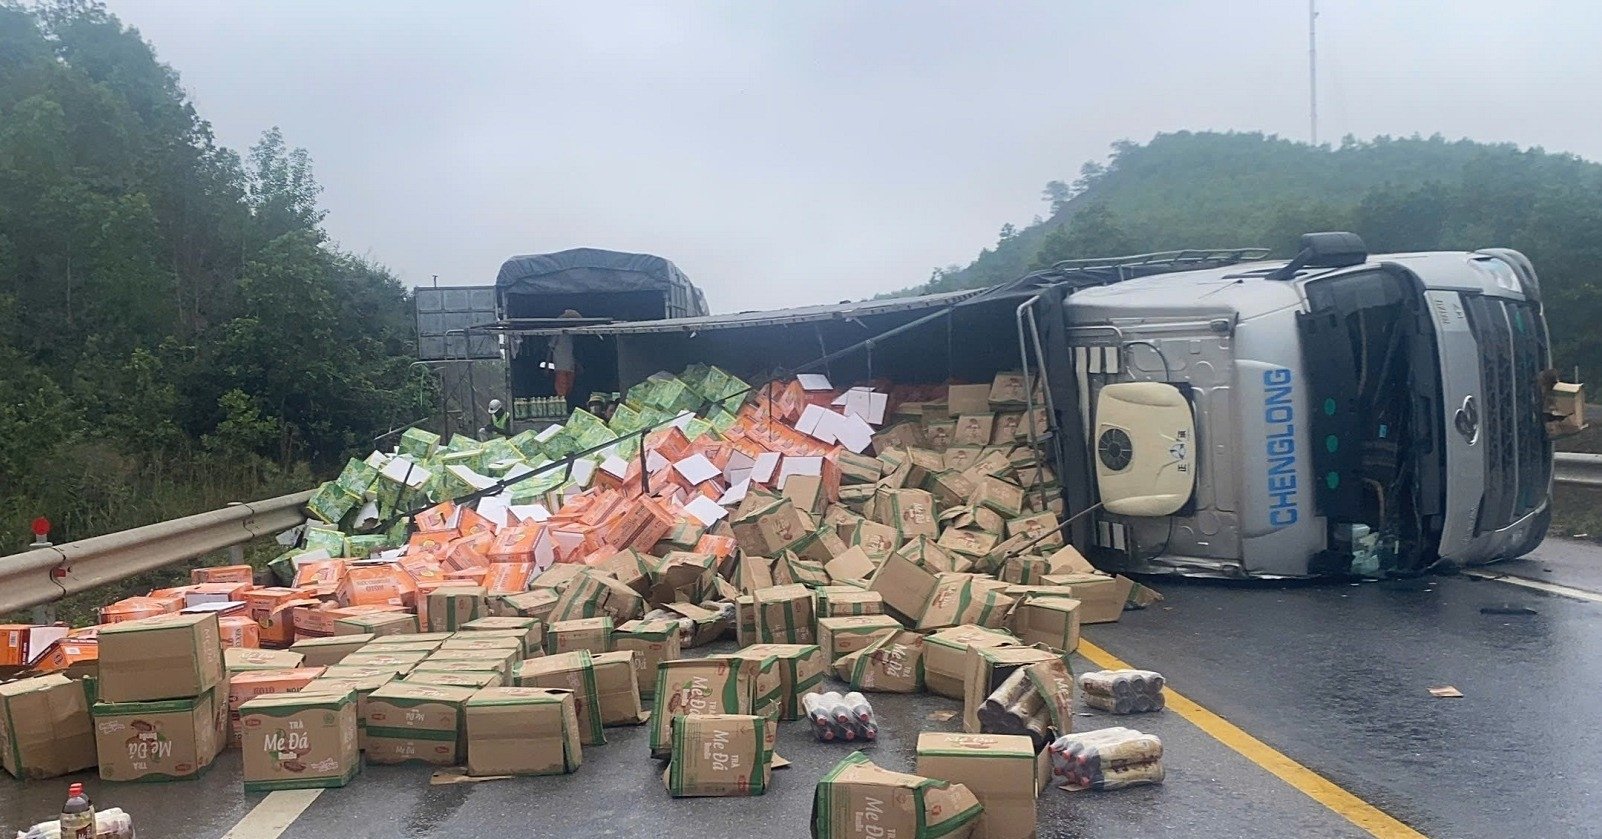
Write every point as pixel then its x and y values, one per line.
pixel 1210 413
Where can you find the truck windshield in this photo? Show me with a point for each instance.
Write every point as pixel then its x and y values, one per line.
pixel 1372 377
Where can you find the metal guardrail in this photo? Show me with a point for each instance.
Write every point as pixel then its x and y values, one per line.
pixel 1575 469
pixel 26 579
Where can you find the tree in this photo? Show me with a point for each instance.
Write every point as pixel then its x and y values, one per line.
pixel 1091 231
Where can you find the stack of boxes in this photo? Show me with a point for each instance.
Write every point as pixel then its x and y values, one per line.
pixel 162 713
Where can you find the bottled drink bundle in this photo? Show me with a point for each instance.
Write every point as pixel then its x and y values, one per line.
pixel 838 717
pixel 1016 707
pixel 1123 691
pixel 1110 758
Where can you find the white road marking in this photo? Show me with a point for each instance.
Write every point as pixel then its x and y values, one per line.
pixel 274 815
pixel 1537 585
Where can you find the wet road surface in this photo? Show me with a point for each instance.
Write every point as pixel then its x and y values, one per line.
pixel 1335 677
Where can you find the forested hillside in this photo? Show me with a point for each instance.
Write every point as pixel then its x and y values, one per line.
pixel 1224 190
pixel 175 330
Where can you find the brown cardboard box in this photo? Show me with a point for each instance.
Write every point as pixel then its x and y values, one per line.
pixel 988 668
pixel 360 682
pixel 1101 598
pixel 720 755
pixel 801 669
pixel 784 615
pixel 858 800
pixel 1067 560
pixel 408 721
pixel 710 624
pixel 162 657
pixel 557 577
pixel 1038 526
pixel 753 572
pixel 408 639
pixel 500 659
pixel 377 623
pixel 971 543
pixel 573 671
pixel 618 688
pixel 631 568
pixel 652 643
pixel 974 429
pixel 243 687
pixel 945 656
pixel 910 511
pixel 965 598
pixel 522 731
pixel 424 647
pixel 876 539
pixel 893 663
pixel 968 399
pixel 906 585
pixel 744 620
pixel 846 601
pixel 592 634
pixel 853 564
pixel 595 593
pixel 1048 621
pixel 322 652
pixel 806 493
pixel 475 679
pixel 533 631
pixel 451 606
pixel 839 636
pixel 1003 496
pixel 401 661
pixel 299 741
pixel 684 576
pixel 45 728
pixel 1001 770
pixel 1010 390
pixel 509 646
pixel 770 528
pixel 538 604
pixel 165 740
pixel 241 660
pixel 713 685
pixel 1025 570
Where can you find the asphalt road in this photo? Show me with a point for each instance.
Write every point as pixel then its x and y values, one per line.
pixel 1336 677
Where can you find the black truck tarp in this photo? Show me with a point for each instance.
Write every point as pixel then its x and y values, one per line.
pixel 596 283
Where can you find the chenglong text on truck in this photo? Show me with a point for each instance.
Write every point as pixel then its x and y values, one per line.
pixel 1210 413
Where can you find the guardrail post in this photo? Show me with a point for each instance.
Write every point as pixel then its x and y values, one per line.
pixel 236 554
pixel 45 613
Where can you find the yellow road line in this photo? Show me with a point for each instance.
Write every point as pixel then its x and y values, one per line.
pixel 274 815
pixel 1309 783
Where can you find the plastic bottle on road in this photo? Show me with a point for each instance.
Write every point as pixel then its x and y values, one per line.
pixel 77 815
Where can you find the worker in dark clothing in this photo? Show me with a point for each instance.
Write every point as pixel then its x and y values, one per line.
pixel 500 420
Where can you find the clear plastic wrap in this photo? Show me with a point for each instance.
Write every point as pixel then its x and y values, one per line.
pixel 1123 691
pixel 838 718
pixel 1109 758
pixel 112 823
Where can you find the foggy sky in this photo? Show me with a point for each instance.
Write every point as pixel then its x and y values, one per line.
pixel 804 152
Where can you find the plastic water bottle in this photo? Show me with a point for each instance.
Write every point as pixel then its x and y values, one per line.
pixel 77 815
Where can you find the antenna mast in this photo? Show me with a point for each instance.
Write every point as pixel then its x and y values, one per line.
pixel 1312 67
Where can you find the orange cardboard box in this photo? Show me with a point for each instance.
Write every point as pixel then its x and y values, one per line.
pixel 318 621
pixel 471 523
pixel 719 546
pixel 263 601
pixel 506 578
pixel 440 517
pixel 134 608
pixel 247 685
pixel 430 541
pixel 277 627
pixel 240 631
pixel 322 575
pixel 473 575
pixel 222 574
pixel 72 656
pixel 172 599
pixel 516 544
pixel 670 443
pixel 14 644
pixel 468 551
pixel 376 585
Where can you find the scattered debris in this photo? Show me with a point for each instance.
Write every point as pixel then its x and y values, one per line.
pixel 1446 692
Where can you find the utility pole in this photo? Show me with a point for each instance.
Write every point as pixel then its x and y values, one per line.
pixel 1312 67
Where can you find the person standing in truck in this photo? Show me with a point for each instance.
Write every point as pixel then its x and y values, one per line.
pixel 500 420
pixel 564 367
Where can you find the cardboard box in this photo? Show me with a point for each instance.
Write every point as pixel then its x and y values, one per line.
pixel 243 687
pixel 376 585
pixel 847 601
pixel 973 429
pixel 240 631
pixel 322 652
pixel 618 688
pixel 682 576
pixel 945 656
pixel 408 721
pixel 532 629
pixel 968 399
pixel 475 679
pixel 377 623
pixel 451 606
pixel 989 667
pixel 74 658
pixel 164 657
pixel 784 615
pixel 575 672
pixel 770 528
pixel 1001 770
pixel 595 593
pixel 720 755
pixel 906 584
pixel 876 539
pixel 223 574
pixel 853 564
pixel 237 660
pixel 966 598
pixel 911 512
pixel 744 620
pixel 892 663
pixel 406 639
pixel 801 668
pixel 522 731
pixel 165 740
pixel 424 647
pixel 45 727
pixel 858 800
pixel 1051 622
pixel 502 660
pixel 299 741
pixel 652 643
pixel 840 636
pixel 591 634
pixel 1101 598
pixel 536 603
pixel 701 686
pixel 361 683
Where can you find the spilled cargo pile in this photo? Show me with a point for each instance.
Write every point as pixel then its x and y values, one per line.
pixel 499 605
